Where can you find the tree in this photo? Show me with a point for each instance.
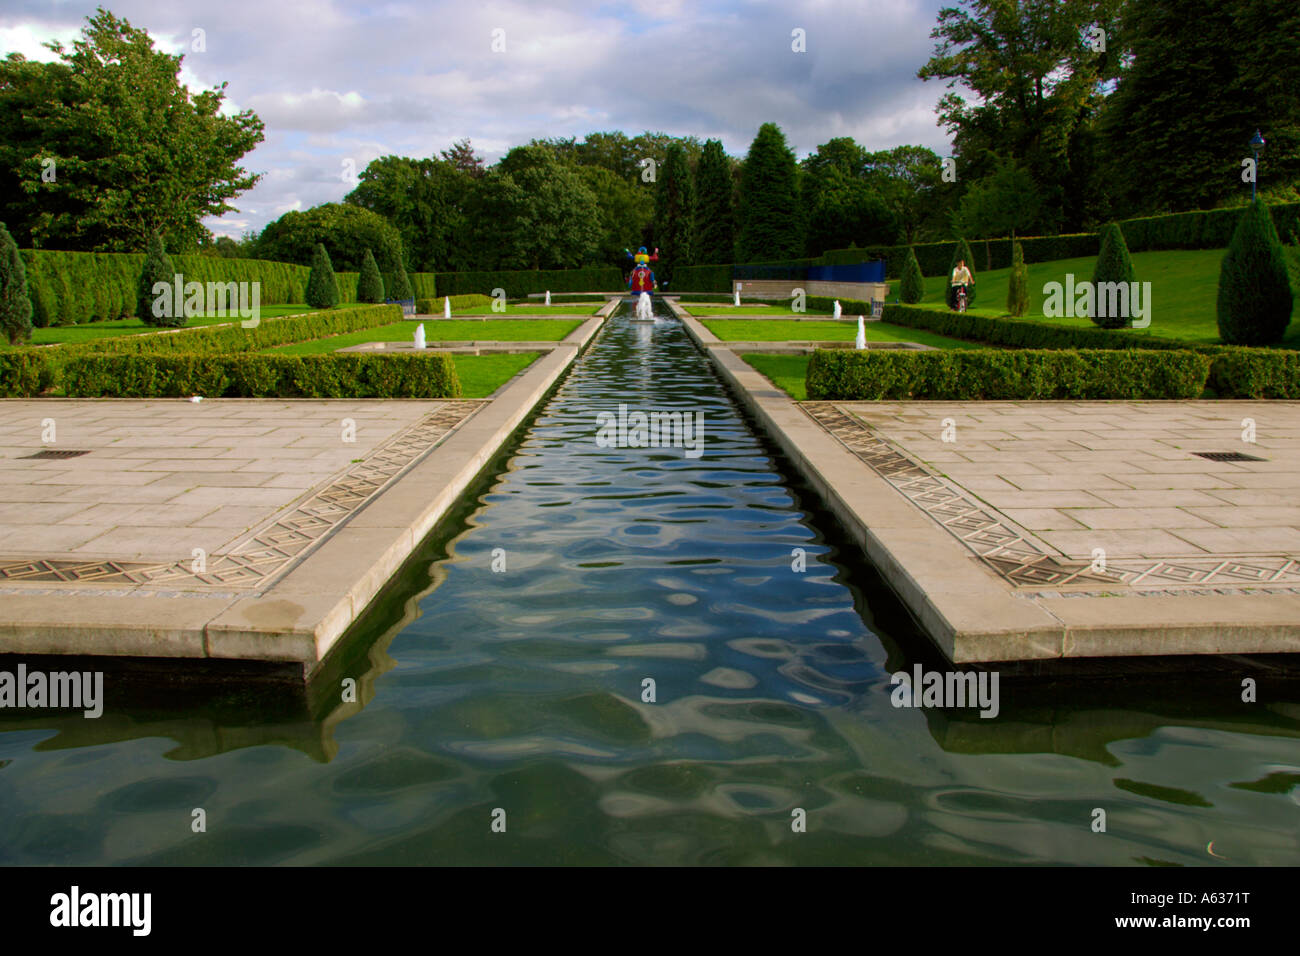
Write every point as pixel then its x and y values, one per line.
pixel 1205 74
pixel 913 283
pixel 1255 296
pixel 715 227
pixel 398 283
pixel 1006 202
pixel 370 285
pixel 15 306
pixel 909 179
pixel 769 215
pixel 345 230
pixel 625 212
pixel 1037 79
pixel 674 213
pixel 462 157
pixel 322 287
pixel 960 253
pixel 842 209
pixel 425 200
pixel 1018 283
pixel 134 152
pixel 534 211
pixel 1113 265
pixel 157 268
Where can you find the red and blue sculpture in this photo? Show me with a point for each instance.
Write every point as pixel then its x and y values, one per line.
pixel 642 279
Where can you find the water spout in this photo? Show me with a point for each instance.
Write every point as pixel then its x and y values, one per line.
pixel 419 336
pixel 737 295
pixel 548 296
pixel 446 307
pixel 645 310
pixel 861 341
pixel 837 311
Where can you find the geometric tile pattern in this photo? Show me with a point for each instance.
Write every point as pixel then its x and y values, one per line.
pixel 274 548
pixel 1018 556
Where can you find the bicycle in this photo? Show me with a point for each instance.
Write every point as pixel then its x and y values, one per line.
pixel 961 298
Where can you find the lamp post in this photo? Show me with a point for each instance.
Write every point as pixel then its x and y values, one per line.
pixel 1256 143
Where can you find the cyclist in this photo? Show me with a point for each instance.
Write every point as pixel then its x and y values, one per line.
pixel 961 280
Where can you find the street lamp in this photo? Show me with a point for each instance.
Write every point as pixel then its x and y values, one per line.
pixel 1256 143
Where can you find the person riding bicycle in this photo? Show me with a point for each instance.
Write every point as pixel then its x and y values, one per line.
pixel 961 280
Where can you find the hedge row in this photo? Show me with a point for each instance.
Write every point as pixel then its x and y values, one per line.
pixel 73 288
pixel 1016 333
pixel 1204 229
pixel 988 374
pixel 263 376
pixel 26 372
pixel 433 306
pixel 1255 373
pixel 519 283
pixel 227 339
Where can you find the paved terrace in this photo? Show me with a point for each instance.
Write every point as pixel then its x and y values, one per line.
pixel 996 540
pixel 231 528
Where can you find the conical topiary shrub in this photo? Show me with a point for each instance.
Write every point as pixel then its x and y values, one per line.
pixel 370 287
pixel 158 268
pixel 322 288
pixel 15 304
pixel 1255 296
pixel 1018 283
pixel 1113 265
pixel 400 286
pixel 961 251
pixel 913 285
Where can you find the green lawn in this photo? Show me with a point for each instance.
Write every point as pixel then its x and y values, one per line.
pixel 441 330
pixel 76 334
pixel 778 307
pixel 775 330
pixel 786 372
pixel 481 375
pixel 1184 288
pixel 560 308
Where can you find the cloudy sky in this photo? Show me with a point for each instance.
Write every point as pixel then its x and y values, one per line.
pixel 345 81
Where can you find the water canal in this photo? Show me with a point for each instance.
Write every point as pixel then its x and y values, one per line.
pixel 520 688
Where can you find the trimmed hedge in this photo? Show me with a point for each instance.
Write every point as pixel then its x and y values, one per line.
pixel 433 306
pixel 26 372
pixel 73 288
pixel 986 374
pixel 1255 373
pixel 1202 229
pixel 521 282
pixel 226 339
pixel 713 279
pixel 263 376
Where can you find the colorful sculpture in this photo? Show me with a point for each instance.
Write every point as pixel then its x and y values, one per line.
pixel 642 279
pixel 642 258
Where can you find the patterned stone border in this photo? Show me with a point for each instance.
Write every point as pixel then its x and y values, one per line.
pixel 1014 554
pixel 257 557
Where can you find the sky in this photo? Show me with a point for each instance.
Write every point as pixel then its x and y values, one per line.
pixel 341 82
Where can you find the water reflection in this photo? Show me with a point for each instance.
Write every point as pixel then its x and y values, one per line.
pixel 525 689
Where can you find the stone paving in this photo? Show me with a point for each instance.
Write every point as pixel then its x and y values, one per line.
pixel 251 483
pixel 1124 477
pixel 240 529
